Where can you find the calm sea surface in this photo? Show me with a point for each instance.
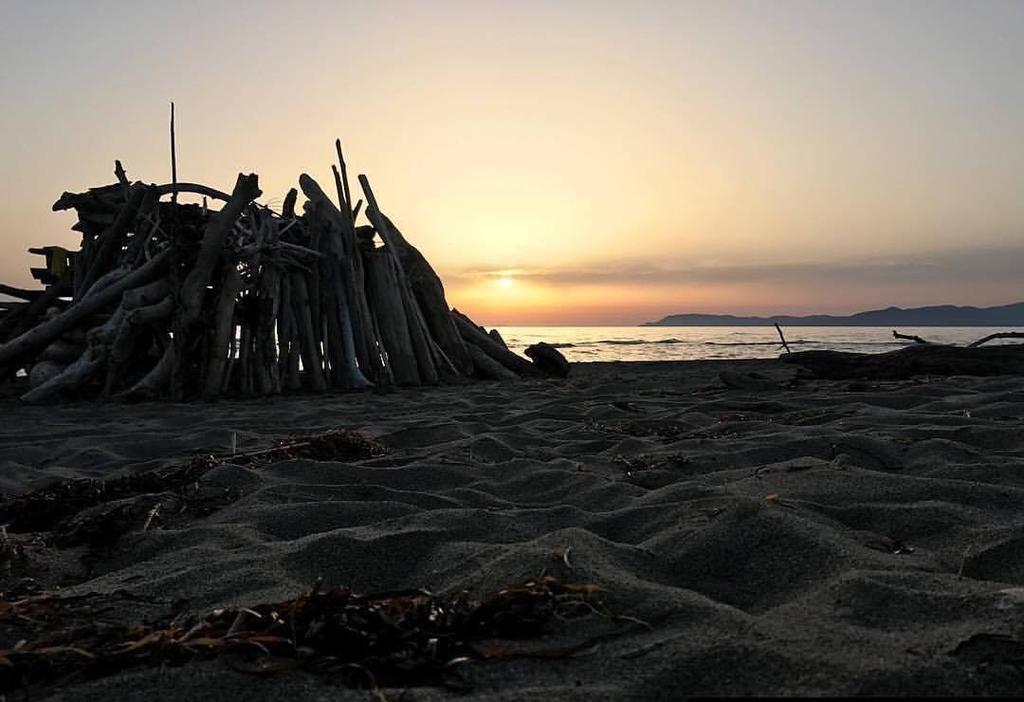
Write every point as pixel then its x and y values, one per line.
pixel 687 343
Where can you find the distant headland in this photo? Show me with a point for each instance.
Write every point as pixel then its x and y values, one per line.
pixel 936 316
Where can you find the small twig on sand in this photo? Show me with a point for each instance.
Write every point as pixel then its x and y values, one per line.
pixel 153 515
pixel 998 335
pixel 633 620
pixel 782 337
pixel 653 646
pixel 963 561
pixel 909 337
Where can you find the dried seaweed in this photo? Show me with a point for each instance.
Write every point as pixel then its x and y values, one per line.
pixel 664 430
pixel 649 462
pixel 17 555
pixel 402 638
pixel 330 445
pixel 95 511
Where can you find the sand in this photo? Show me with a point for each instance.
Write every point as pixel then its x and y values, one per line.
pixel 788 538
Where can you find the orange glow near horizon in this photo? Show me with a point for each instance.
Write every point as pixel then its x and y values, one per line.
pixel 572 162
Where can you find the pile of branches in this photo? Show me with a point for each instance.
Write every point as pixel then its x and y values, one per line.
pixel 389 639
pixel 181 301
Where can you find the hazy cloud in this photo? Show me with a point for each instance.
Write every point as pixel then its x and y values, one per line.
pixel 976 264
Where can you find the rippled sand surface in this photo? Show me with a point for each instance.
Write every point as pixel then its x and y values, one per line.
pixel 805 537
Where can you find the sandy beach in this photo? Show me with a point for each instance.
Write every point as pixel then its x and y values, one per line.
pixel 794 537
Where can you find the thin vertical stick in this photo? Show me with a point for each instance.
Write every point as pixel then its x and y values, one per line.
pixel 174 162
pixel 344 181
pixel 779 330
pixel 342 204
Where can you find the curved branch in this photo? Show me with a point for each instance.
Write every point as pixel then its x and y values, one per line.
pixel 195 188
pixel 998 335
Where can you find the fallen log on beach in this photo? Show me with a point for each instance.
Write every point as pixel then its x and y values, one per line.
pixel 909 337
pixel 997 335
pixel 910 361
pixel 171 300
pixel 548 359
pixel 475 336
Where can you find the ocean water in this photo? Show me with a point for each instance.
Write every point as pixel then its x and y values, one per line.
pixel 692 343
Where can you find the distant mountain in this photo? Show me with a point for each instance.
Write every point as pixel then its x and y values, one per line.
pixel 937 316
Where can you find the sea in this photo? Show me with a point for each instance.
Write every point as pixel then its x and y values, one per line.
pixel 695 343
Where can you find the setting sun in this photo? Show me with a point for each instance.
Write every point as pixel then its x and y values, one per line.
pixel 505 282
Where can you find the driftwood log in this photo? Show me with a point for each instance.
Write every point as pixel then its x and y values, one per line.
pixel 548 359
pixel 389 313
pixel 997 335
pixel 910 361
pixel 475 336
pixel 428 291
pixel 909 337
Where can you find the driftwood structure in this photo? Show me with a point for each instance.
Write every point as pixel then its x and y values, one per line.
pixel 180 301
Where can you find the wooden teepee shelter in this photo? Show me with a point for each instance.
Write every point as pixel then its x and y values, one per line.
pixel 181 301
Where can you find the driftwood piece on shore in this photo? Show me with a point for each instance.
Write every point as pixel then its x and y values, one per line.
pixel 287 339
pixel 148 294
pixel 86 367
pixel 40 336
pixel 496 335
pixel 45 369
pixel 345 278
pixel 172 371
pixel 71 378
pixel 28 316
pixel 365 338
pixel 105 281
pixel 108 244
pixel 154 383
pixel 389 313
pixel 124 346
pixel 487 367
pixel 472 334
pixel 193 288
pixel 423 345
pixel 20 293
pixel 431 356
pixel 909 337
pixel 148 215
pixel 267 301
pixel 102 198
pixel 919 359
pixel 223 330
pixel 997 335
pixel 312 356
pixel 548 359
pixel 782 338
pixel 246 190
pixel 61 351
pixel 428 291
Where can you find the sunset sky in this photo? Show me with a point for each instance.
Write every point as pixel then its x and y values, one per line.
pixel 564 162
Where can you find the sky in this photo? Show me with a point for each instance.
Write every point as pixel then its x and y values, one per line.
pixel 563 162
